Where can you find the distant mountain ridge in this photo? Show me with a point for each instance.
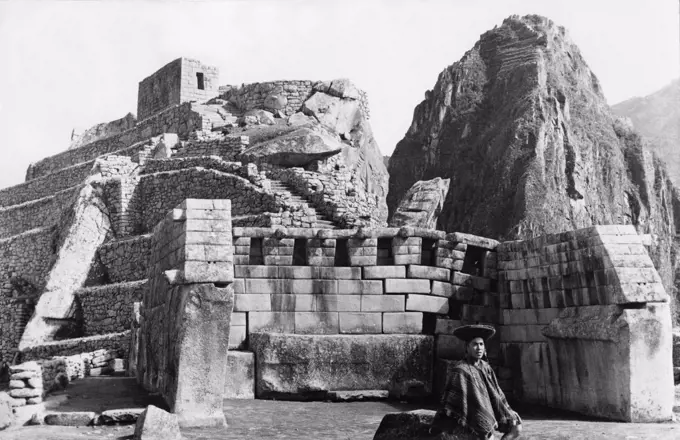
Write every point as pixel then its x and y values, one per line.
pixel 657 118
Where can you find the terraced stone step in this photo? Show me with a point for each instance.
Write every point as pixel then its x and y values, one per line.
pixel 321 220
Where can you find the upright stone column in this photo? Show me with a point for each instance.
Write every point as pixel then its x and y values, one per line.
pixel 186 313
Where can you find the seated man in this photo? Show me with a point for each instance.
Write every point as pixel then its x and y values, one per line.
pixel 473 400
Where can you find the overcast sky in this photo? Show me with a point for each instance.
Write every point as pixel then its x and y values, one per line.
pixel 66 64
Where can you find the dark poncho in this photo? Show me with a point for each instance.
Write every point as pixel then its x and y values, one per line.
pixel 475 400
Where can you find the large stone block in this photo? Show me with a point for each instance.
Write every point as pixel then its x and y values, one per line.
pixel 427 303
pixel 407 286
pixel 338 303
pixel 280 322
pixel 429 272
pixel 156 424
pixel 382 272
pixel 383 303
pixel 317 323
pixel 360 323
pixel 404 322
pixel 240 378
pixel 450 347
pixel 311 365
pixel 583 345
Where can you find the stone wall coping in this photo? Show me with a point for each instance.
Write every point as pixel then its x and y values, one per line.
pixel 362 233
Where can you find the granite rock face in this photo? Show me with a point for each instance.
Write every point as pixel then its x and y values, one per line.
pixel 422 204
pixel 657 118
pixel 522 128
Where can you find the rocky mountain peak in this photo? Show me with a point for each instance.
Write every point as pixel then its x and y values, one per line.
pixel 521 126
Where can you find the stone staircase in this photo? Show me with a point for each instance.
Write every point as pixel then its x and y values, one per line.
pixel 322 221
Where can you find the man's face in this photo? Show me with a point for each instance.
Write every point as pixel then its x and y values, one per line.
pixel 475 348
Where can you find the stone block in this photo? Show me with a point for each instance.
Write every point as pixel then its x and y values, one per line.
pixel 360 323
pixel 360 260
pixel 208 272
pixel 255 271
pixel 15 384
pixel 240 377
pixel 522 333
pixel 337 273
pixel 360 287
pixel 530 316
pixel 461 293
pixel 6 415
pixel 585 341
pixel 73 418
pixel 238 319
pixel 338 303
pixel 237 337
pixel 428 272
pixel 280 322
pixel 252 303
pixel 25 393
pixel 404 259
pixel 427 303
pixel 122 416
pixel 403 322
pixel 382 272
pixel 450 347
pixel 446 326
pixel 441 288
pixel 407 286
pixel 312 365
pixel 318 323
pixel 383 303
pixel 156 424
pixel 296 272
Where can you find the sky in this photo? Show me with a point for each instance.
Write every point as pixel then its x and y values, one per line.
pixel 73 64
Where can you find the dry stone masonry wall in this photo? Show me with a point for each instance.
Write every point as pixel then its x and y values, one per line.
pixel 109 308
pixel 579 300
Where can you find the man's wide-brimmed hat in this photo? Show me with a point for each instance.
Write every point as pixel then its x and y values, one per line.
pixel 470 332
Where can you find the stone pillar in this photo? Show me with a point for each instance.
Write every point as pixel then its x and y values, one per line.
pixel 186 312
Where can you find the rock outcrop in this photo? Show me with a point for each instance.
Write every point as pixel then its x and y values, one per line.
pixel 657 118
pixel 521 127
pixel 422 204
pixel 102 131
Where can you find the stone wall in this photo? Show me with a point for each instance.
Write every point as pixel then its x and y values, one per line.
pixel 179 119
pixel 175 83
pixel 37 213
pixel 45 186
pixel 227 147
pixel 577 304
pixel 126 259
pixel 109 308
pixel 185 317
pixel 117 342
pixel 288 94
pixel 367 281
pixel 334 193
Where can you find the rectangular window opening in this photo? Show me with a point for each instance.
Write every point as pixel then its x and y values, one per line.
pixel 300 252
pixel 428 255
pixel 341 253
pixel 385 257
pixel 201 83
pixel 474 260
pixel 256 253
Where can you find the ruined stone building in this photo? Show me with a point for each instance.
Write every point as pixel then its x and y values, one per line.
pixel 233 242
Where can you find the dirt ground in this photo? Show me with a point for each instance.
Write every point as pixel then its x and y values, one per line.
pixel 268 419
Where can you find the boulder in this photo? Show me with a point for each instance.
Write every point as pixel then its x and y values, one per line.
pixel 74 418
pixel 295 149
pixel 308 366
pixel 155 424
pixel 6 414
pixel 339 114
pixel 341 88
pixel 420 424
pixel 275 101
pixel 257 116
pixel 119 416
pixel 299 118
pixel 422 204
